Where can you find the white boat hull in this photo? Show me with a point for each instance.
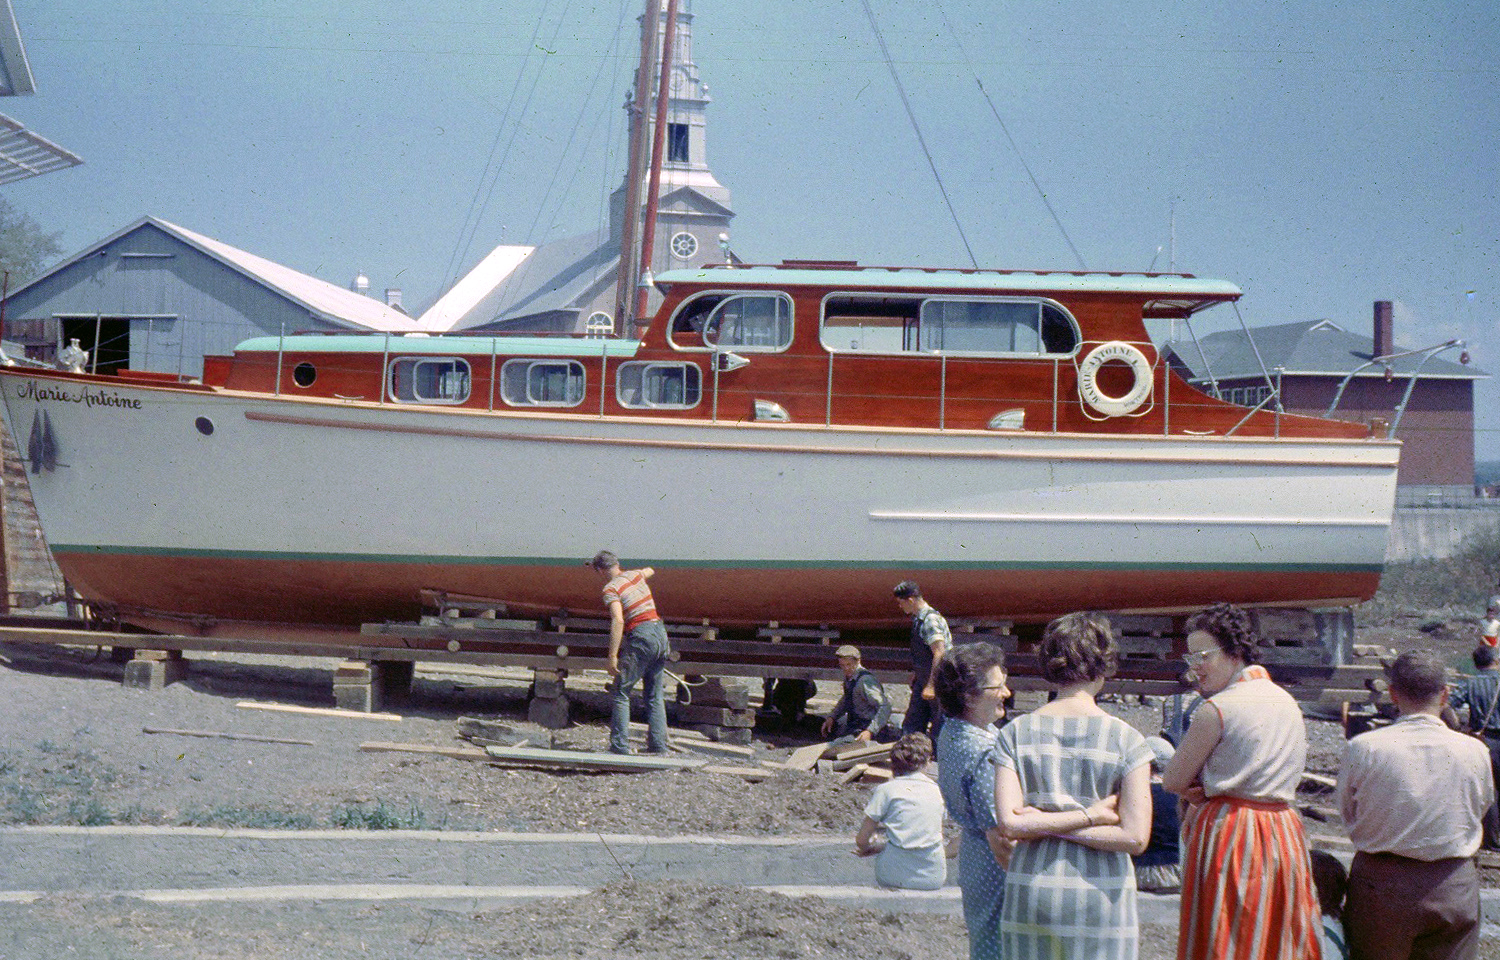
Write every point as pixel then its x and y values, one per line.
pixel 333 512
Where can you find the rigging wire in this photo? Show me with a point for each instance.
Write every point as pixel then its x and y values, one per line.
pixel 916 128
pixel 1006 130
pixel 476 207
pixel 567 147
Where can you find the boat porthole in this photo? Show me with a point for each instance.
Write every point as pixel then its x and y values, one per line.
pixel 205 426
pixel 304 374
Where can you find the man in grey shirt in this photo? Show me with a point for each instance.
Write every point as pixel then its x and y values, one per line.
pixel 863 711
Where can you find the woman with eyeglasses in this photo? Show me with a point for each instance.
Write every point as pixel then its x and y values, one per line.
pixel 1246 879
pixel 1073 789
pixel 970 687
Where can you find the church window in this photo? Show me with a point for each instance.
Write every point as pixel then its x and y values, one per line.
pixel 677 143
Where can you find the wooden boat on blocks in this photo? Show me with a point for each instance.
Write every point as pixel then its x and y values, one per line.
pixel 782 443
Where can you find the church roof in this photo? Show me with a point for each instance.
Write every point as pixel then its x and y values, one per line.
pixel 552 277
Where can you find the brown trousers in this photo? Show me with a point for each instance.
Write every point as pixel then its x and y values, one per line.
pixel 1404 909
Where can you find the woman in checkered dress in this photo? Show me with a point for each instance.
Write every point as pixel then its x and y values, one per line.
pixel 1073 787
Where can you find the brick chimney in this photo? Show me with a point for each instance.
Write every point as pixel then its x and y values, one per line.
pixel 1385 332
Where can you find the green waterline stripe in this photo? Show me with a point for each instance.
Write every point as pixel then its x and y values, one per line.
pixel 288 556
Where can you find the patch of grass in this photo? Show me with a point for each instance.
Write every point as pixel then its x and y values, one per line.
pixel 229 816
pixel 1454 587
pixel 90 812
pixel 381 817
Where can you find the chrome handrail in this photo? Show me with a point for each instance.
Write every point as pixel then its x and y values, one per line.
pixel 1427 353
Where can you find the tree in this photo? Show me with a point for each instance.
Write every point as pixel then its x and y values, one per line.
pixel 25 248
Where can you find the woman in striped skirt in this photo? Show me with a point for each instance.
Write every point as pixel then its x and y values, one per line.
pixel 1247 890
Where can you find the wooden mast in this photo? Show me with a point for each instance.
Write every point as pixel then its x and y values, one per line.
pixel 630 221
pixel 653 183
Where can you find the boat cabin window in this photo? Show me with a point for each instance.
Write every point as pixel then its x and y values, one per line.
pixel 666 386
pixel 947 325
pixel 734 321
pixel 542 383
pixel 429 380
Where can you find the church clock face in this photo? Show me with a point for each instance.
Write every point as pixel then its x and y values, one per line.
pixel 684 245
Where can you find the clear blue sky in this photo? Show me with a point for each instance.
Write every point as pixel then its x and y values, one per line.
pixel 1322 155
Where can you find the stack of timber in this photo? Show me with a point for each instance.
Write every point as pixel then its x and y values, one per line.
pixel 853 762
pixel 719 708
pixel 549 706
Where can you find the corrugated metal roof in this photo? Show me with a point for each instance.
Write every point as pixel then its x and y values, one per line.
pixel 327 300
pixel 1319 347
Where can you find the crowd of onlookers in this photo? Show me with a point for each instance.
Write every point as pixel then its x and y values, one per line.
pixel 1063 813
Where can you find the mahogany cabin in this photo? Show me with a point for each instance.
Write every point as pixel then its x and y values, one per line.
pixel 824 344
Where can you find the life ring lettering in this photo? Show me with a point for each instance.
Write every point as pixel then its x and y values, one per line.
pixel 1088 379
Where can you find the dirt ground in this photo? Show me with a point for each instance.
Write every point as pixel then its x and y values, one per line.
pixel 73 751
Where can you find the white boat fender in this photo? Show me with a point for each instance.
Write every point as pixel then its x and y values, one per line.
pixel 1088 378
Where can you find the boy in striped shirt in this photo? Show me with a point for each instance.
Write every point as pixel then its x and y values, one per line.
pixel 632 616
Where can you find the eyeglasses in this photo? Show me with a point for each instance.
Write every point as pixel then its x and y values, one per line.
pixel 1196 658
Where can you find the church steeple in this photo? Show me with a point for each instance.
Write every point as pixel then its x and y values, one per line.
pixel 695 208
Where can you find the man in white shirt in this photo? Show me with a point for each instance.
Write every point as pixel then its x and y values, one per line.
pixel 1413 796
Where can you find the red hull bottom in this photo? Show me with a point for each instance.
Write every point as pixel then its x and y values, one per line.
pixel 345 594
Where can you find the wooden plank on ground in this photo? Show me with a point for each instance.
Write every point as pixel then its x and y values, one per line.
pixel 806 758
pixel 854 773
pixel 753 774
pixel 455 753
pixel 226 736
pixel 863 751
pixel 589 761
pixel 708 746
pixel 874 774
pixel 316 711
pixel 847 762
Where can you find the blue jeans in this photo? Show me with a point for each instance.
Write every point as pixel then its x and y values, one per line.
pixel 643 658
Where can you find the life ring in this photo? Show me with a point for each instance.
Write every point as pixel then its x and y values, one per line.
pixel 1088 379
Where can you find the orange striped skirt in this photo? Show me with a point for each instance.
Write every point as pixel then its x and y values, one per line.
pixel 1247 891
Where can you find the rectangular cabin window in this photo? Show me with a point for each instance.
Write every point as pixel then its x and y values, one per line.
pixel 865 324
pixel 429 380
pixel 965 326
pixel 644 385
pixel 542 383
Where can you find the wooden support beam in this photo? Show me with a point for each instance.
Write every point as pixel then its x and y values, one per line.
pixel 588 760
pixel 216 734
pixel 455 753
pixel 316 711
pixel 806 758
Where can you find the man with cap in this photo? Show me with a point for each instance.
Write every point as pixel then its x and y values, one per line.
pixel 633 616
pixel 930 639
pixel 1481 694
pixel 863 711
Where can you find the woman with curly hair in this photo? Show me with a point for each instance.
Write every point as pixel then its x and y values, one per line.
pixel 1073 789
pixel 1247 888
pixel 970 687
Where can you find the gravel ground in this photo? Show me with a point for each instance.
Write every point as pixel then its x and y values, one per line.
pixel 73 751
